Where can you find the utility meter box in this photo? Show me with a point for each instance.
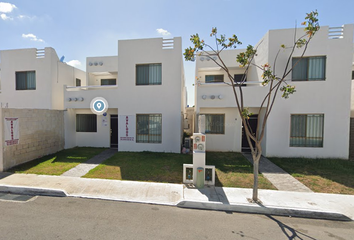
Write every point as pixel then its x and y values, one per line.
pixel 199 142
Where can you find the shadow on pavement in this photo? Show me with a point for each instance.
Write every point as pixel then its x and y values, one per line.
pixel 288 231
pixel 5 174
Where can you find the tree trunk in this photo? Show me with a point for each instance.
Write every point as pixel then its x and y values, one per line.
pixel 255 178
pixel 256 157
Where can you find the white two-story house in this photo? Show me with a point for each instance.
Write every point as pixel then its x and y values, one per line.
pixel 144 88
pixel 45 103
pixel 314 122
pixel 32 103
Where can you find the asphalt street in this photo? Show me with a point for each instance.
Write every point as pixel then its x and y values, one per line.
pixel 77 218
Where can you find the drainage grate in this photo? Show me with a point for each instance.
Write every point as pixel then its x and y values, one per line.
pixel 15 197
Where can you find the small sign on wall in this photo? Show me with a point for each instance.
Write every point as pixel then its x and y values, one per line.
pixel 12 132
pixel 104 121
pixel 127 127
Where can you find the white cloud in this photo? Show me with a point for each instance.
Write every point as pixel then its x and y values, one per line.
pixel 6 7
pixel 4 17
pixel 32 37
pixel 74 63
pixel 163 32
pixel 25 17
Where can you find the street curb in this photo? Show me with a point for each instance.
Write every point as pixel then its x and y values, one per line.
pixel 33 191
pixel 259 209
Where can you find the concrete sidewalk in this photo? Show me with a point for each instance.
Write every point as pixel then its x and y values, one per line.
pixel 284 203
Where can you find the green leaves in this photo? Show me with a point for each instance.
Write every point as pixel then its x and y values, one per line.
pixel 246 113
pixel 301 42
pixel 214 31
pixel 199 45
pixel 189 54
pixel 267 75
pixel 190 51
pixel 245 58
pixel 287 90
pixel 311 21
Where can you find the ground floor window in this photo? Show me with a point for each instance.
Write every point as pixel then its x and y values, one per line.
pixel 86 123
pixel 215 123
pixel 148 128
pixel 306 130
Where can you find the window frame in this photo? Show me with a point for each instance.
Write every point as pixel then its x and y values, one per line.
pixel 78 115
pixel 78 80
pixel 214 75
pixel 307 58
pixel 150 82
pixel 306 145
pixel 241 74
pixel 108 79
pixel 223 124
pixel 26 80
pixel 149 135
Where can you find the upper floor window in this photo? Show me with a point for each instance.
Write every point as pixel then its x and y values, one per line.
pixel 214 78
pixel 241 78
pixel 26 80
pixel 86 123
pixel 306 130
pixel 148 74
pixel 78 82
pixel 112 81
pixel 352 75
pixel 309 69
pixel 215 123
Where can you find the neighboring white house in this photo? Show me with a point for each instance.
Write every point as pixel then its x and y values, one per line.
pixel 34 78
pixel 314 122
pixel 32 103
pixel 145 92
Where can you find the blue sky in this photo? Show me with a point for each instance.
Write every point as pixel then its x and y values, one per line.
pixel 80 29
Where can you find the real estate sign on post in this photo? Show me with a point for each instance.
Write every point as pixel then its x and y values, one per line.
pixel 12 134
pixel 127 127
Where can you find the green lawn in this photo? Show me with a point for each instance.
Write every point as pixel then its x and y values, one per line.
pixel 321 175
pixel 58 163
pixel 232 169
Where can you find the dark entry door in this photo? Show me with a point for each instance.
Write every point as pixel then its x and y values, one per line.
pixel 253 123
pixel 114 131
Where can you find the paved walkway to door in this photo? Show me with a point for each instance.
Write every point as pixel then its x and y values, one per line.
pixel 83 168
pixel 282 180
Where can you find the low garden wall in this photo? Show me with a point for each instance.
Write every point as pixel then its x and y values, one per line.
pixel 29 134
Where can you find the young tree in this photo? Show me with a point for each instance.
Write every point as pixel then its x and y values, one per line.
pixel 274 83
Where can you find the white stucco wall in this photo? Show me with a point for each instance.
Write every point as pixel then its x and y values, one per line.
pixel 101 138
pixel 97 68
pixel 164 99
pixel 130 99
pixel 25 60
pixel 331 97
pixel 231 139
pixel 51 75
